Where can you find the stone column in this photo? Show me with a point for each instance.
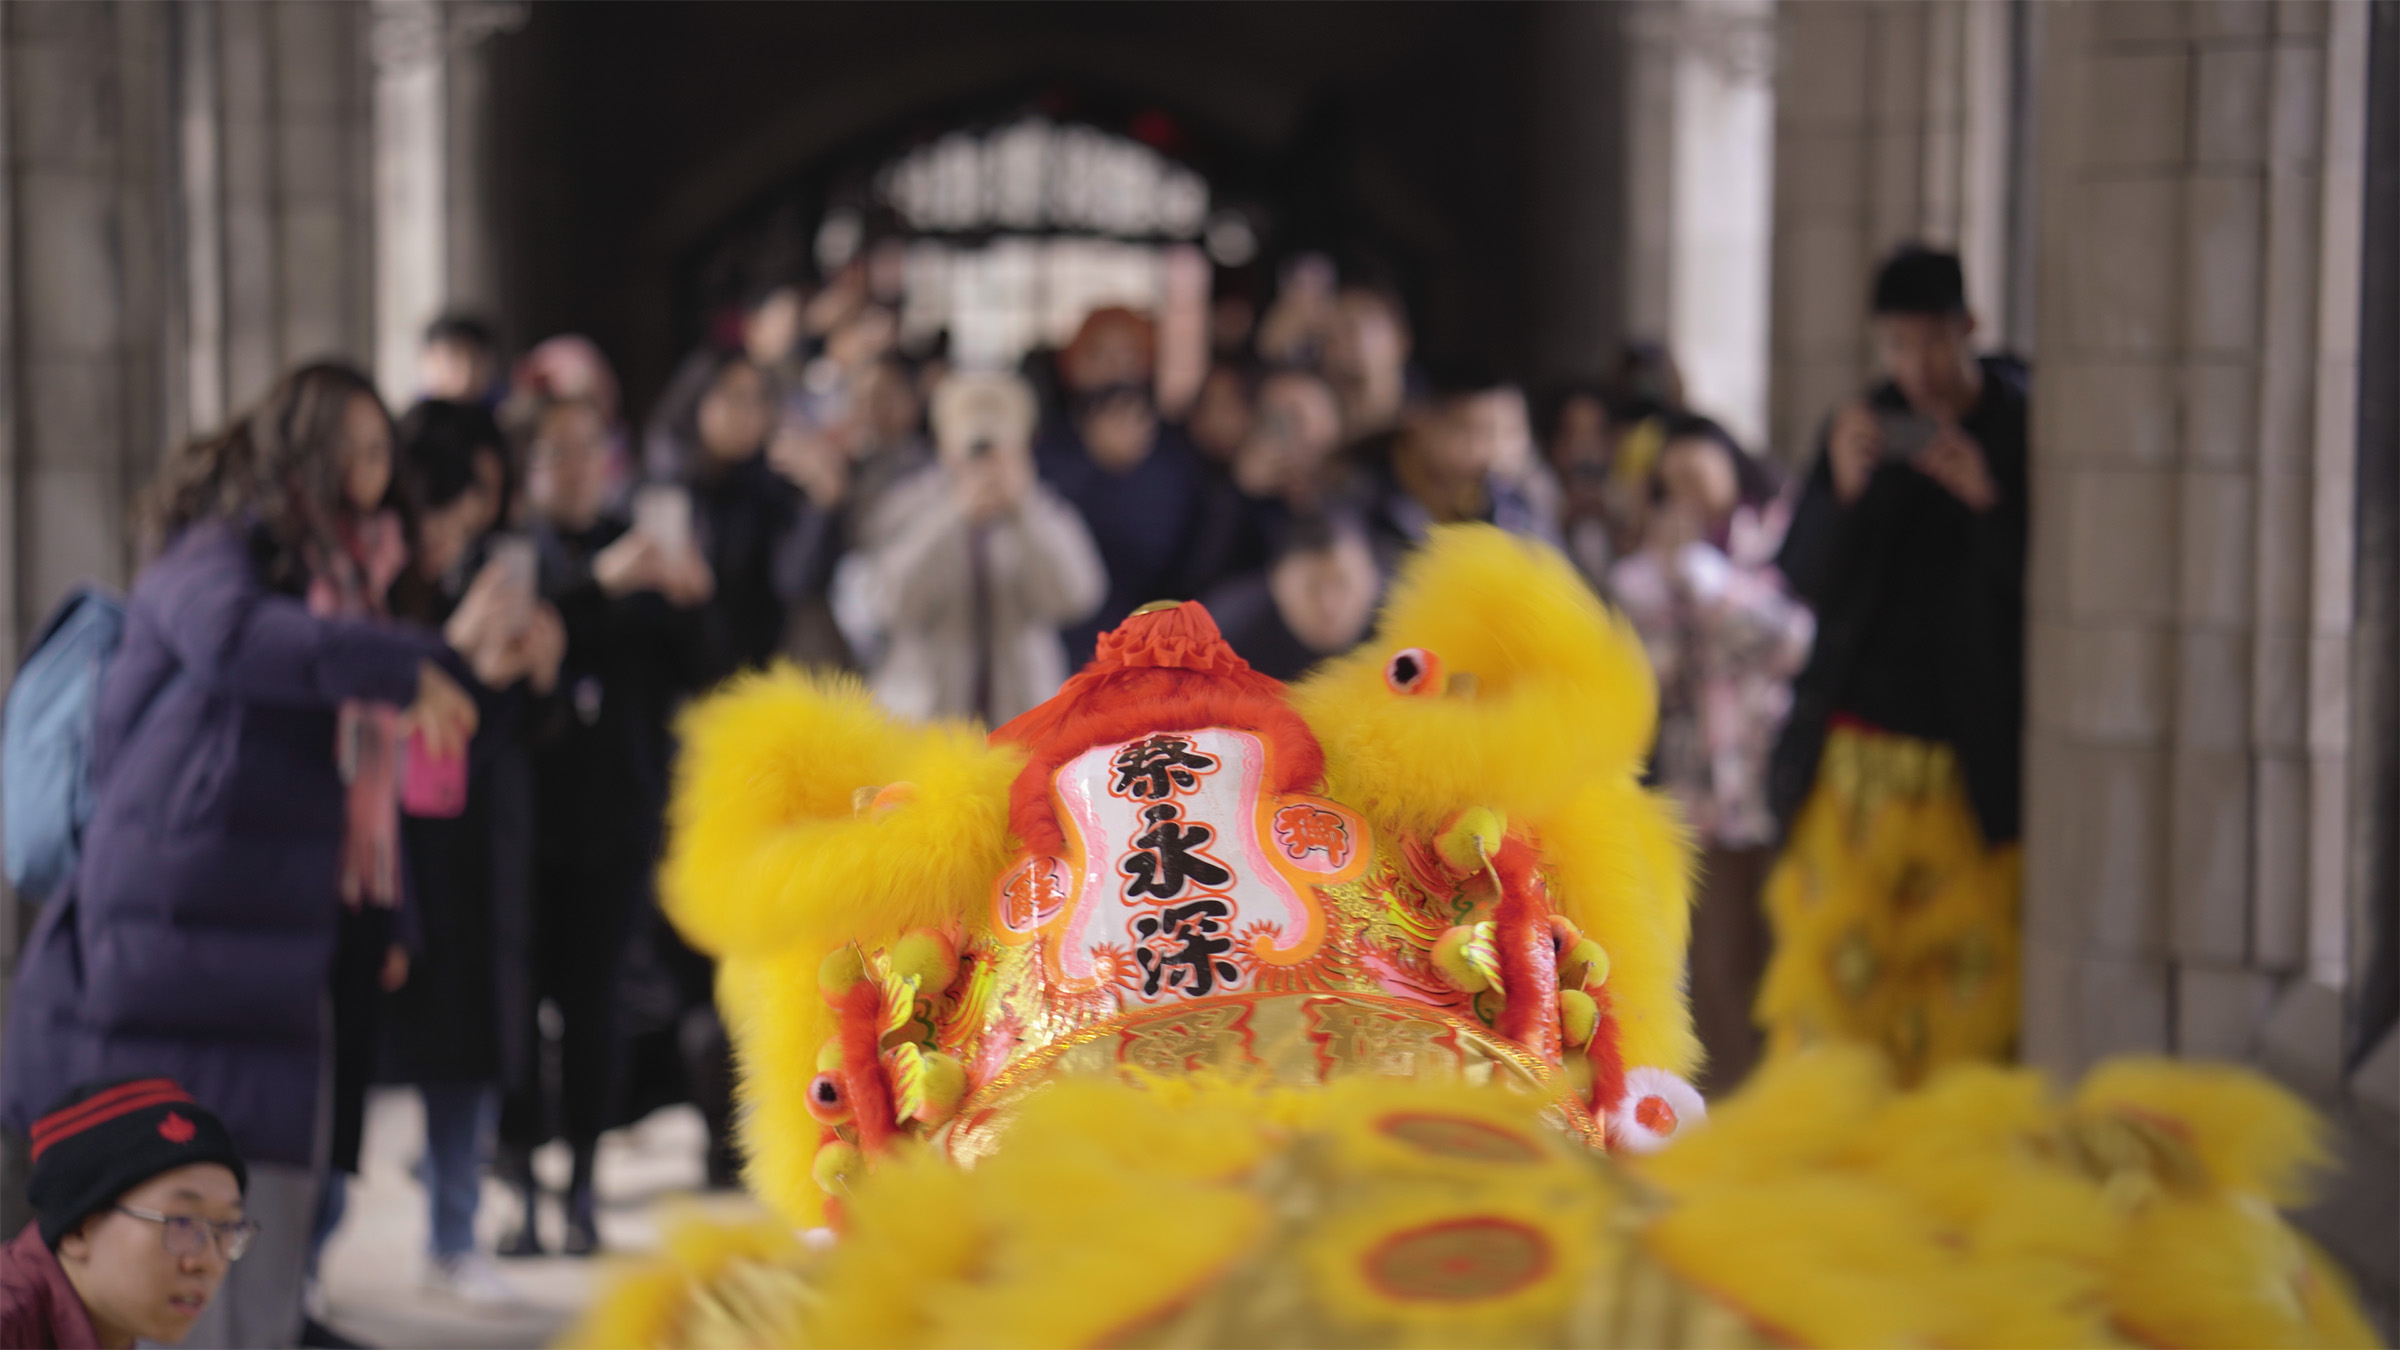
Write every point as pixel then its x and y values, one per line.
pixel 1701 169
pixel 2191 581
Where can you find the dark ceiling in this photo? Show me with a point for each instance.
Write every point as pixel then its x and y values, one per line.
pixel 1424 139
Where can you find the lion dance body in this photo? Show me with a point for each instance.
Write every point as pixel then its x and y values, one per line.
pixel 1189 1009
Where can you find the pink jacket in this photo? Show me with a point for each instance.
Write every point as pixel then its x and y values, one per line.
pixel 39 1309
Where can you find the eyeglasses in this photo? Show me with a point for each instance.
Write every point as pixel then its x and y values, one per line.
pixel 189 1236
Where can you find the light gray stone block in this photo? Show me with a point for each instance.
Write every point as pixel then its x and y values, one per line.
pixel 1820 176
pixel 2279 864
pixel 72 303
pixel 2080 1010
pixel 2229 106
pixel 2218 19
pixel 2119 545
pixel 2136 20
pixel 2124 291
pixel 2220 413
pixel 2224 255
pixel 2138 101
pixel 2095 839
pixel 2219 1010
pixel 1823 82
pixel 2099 685
pixel 2300 18
pixel 1821 286
pixel 72 531
pixel 61 100
pixel 2281 575
pixel 2213 536
pixel 2279 690
pixel 2109 412
pixel 2208 855
pixel 2296 114
pixel 74 414
pixel 2212 690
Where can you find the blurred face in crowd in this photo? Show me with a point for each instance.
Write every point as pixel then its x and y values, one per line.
pixel 1112 348
pixel 1299 427
pixel 1326 594
pixel 450 369
pixel 771 326
pixel 1928 357
pixel 566 468
pixel 1119 428
pixel 1230 319
pixel 1471 436
pixel 1696 475
pixel 1366 358
pixel 887 407
pixel 1582 434
pixel 129 1282
pixel 734 414
pixel 366 453
pixel 865 339
pixel 446 532
pixel 1220 419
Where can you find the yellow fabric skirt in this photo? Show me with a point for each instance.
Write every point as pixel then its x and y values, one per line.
pixel 1895 925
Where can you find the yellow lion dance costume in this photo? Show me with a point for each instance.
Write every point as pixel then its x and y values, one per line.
pixel 1191 1010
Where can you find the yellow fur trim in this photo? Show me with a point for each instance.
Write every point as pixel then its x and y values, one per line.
pixel 766 849
pixel 1553 738
pixel 1563 694
pixel 746 1269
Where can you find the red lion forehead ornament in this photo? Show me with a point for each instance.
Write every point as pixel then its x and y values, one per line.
pixel 1180 889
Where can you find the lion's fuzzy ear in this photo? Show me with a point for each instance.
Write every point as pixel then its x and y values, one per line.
pixel 804 815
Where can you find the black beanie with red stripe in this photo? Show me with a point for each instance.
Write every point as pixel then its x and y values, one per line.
pixel 103 1139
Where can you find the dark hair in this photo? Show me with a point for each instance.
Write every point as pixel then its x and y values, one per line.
pixel 1755 481
pixel 467 330
pixel 1462 377
pixel 1642 382
pixel 684 426
pixel 1320 530
pixel 439 443
pixel 278 466
pixel 1920 280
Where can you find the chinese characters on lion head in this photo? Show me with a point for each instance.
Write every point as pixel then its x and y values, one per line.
pixel 1433 859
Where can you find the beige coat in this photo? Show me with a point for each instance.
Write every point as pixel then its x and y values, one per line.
pixel 910 586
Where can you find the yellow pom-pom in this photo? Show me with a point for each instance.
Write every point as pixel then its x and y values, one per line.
pixel 1583 966
pixel 1474 836
pixel 838 1164
pixel 928 954
pixel 829 1055
pixel 841 968
pixel 945 1087
pixel 1466 958
pixel 1578 1016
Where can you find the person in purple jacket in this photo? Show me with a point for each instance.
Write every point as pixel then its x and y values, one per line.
pixel 242 763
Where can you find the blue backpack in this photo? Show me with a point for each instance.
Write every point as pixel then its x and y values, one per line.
pixel 46 741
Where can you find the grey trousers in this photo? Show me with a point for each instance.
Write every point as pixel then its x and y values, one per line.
pixel 258 1306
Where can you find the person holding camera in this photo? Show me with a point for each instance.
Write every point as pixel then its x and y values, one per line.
pixel 1896 779
pixel 965 572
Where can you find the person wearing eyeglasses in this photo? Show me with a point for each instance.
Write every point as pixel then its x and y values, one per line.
pixel 137 1200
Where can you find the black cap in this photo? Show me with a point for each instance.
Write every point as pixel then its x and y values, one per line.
pixel 1920 280
pixel 103 1139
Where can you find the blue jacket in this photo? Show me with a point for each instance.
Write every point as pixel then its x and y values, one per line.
pixel 196 940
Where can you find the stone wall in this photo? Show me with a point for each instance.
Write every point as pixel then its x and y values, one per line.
pixel 1895 120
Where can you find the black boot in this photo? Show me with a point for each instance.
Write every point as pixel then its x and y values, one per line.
pixel 583 1226
pixel 516 1169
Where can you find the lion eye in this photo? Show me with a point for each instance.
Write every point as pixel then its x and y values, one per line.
pixel 1412 670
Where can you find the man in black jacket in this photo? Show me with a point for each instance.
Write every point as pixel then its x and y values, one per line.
pixel 1897 776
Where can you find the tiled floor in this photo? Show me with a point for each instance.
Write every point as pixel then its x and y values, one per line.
pixel 375 1263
